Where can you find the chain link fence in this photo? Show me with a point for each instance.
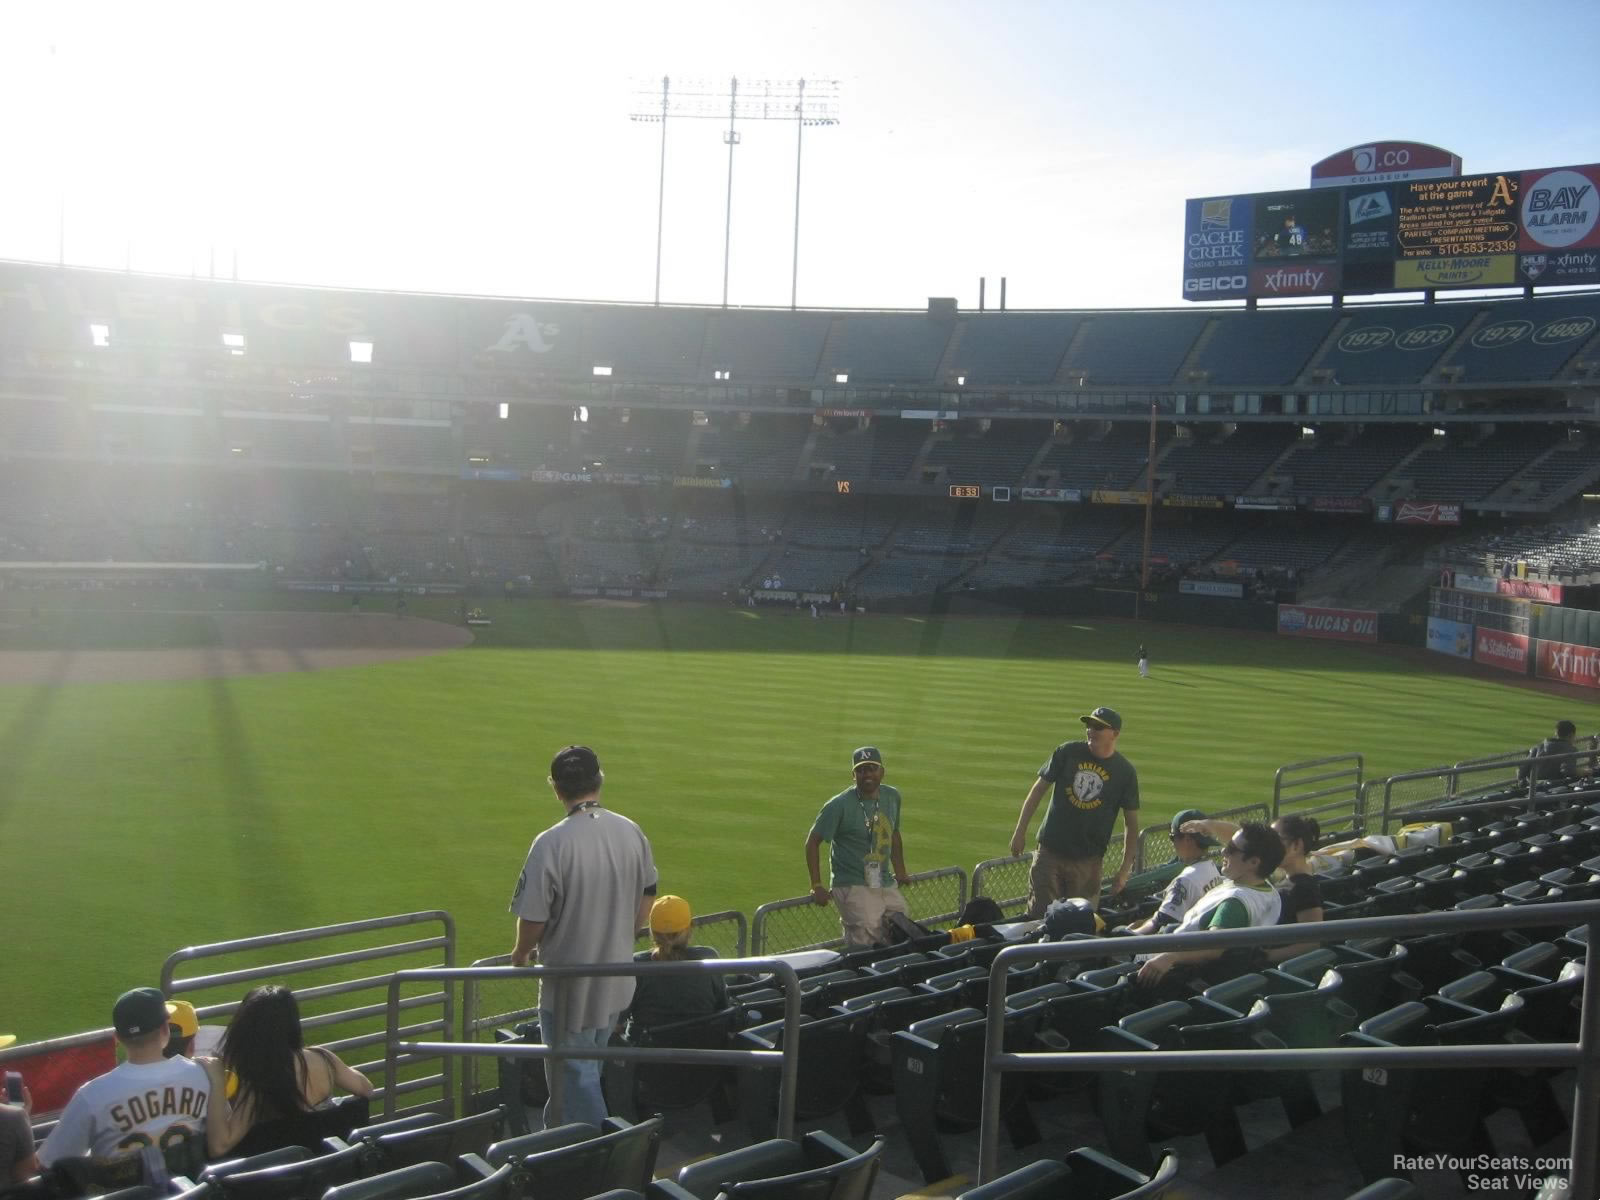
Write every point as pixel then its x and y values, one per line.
pixel 1155 841
pixel 1005 881
pixel 933 898
pixel 725 932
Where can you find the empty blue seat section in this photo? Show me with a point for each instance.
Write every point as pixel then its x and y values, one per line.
pixel 1452 471
pixel 888 347
pixel 1135 348
pixel 1227 467
pixel 646 343
pixel 766 345
pixel 1528 339
pixel 999 456
pixel 1115 460
pixel 1263 348
pixel 1394 344
pixel 1000 348
pixel 1333 467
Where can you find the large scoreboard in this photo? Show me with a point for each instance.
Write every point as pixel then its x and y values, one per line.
pixel 1515 228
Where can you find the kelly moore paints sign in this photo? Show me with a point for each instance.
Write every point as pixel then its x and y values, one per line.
pixel 1337 624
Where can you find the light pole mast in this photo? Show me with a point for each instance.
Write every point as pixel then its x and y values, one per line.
pixel 731 138
pixel 805 102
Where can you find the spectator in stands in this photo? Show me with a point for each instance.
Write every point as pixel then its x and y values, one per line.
pixel 1298 888
pixel 661 1000
pixel 145 1101
pixel 184 1025
pixel 1190 841
pixel 278 1076
pixel 588 884
pixel 1092 783
pixel 866 861
pixel 1562 743
pixel 1245 899
pixel 17 1158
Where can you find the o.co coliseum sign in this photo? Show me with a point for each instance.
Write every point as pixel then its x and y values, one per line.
pixel 1335 624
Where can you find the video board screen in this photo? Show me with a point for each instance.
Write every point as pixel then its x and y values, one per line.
pixel 1533 228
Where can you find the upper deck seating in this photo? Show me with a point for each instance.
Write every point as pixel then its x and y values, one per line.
pixel 997 457
pixel 1133 348
pixel 644 343
pixel 1528 339
pixel 1116 459
pixel 765 345
pixel 1265 348
pixel 887 347
pixel 1004 348
pixel 1394 344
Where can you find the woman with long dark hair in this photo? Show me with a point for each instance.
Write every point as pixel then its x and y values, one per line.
pixel 278 1076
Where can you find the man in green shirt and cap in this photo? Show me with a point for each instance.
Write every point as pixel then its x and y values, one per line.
pixel 862 827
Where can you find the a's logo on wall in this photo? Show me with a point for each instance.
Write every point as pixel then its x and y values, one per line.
pixel 528 332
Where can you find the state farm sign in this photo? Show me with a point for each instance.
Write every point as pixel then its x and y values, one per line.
pixel 1569 663
pixel 1338 624
pixel 1508 651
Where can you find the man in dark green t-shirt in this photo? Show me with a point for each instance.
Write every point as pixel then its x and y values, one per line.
pixel 1092 782
pixel 865 860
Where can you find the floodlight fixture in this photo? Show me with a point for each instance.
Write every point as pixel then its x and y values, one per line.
pixel 602 372
pixel 100 335
pixel 234 341
pixel 806 102
pixel 360 352
pixel 505 411
pixel 841 377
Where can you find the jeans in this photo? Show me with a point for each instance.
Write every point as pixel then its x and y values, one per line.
pixel 584 1100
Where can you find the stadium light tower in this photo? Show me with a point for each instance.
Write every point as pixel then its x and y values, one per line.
pixel 805 102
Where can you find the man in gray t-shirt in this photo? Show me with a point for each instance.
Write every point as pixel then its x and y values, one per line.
pixel 584 891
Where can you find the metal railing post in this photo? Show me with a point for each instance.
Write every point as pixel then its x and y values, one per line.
pixel 1582 1179
pixel 1584 1055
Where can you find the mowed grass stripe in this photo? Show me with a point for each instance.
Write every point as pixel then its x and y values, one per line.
pixel 141 817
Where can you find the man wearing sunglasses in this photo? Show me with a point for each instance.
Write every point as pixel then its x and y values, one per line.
pixel 1244 899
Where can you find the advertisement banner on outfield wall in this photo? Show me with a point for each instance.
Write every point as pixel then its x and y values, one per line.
pixel 1339 504
pixel 1420 512
pixel 1569 663
pixel 1450 637
pixel 1210 587
pixel 1053 495
pixel 1530 589
pixel 1114 496
pixel 1508 651
pixel 1336 624
pixel 1486 584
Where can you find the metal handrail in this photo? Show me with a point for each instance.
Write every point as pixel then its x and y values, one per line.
pixel 787 1059
pixel 1584 1055
pixel 1451 778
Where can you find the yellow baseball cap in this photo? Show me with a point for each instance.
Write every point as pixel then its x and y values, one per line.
pixel 181 1016
pixel 670 914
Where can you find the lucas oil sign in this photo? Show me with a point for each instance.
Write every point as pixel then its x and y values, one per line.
pixel 1336 624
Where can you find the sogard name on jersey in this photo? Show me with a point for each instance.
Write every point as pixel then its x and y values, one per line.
pixel 159 1102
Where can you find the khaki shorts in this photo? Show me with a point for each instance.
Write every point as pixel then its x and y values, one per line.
pixel 861 913
pixel 1056 877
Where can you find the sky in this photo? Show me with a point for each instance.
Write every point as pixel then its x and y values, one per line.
pixel 486 148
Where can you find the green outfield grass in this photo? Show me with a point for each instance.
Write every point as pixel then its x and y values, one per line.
pixel 140 817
